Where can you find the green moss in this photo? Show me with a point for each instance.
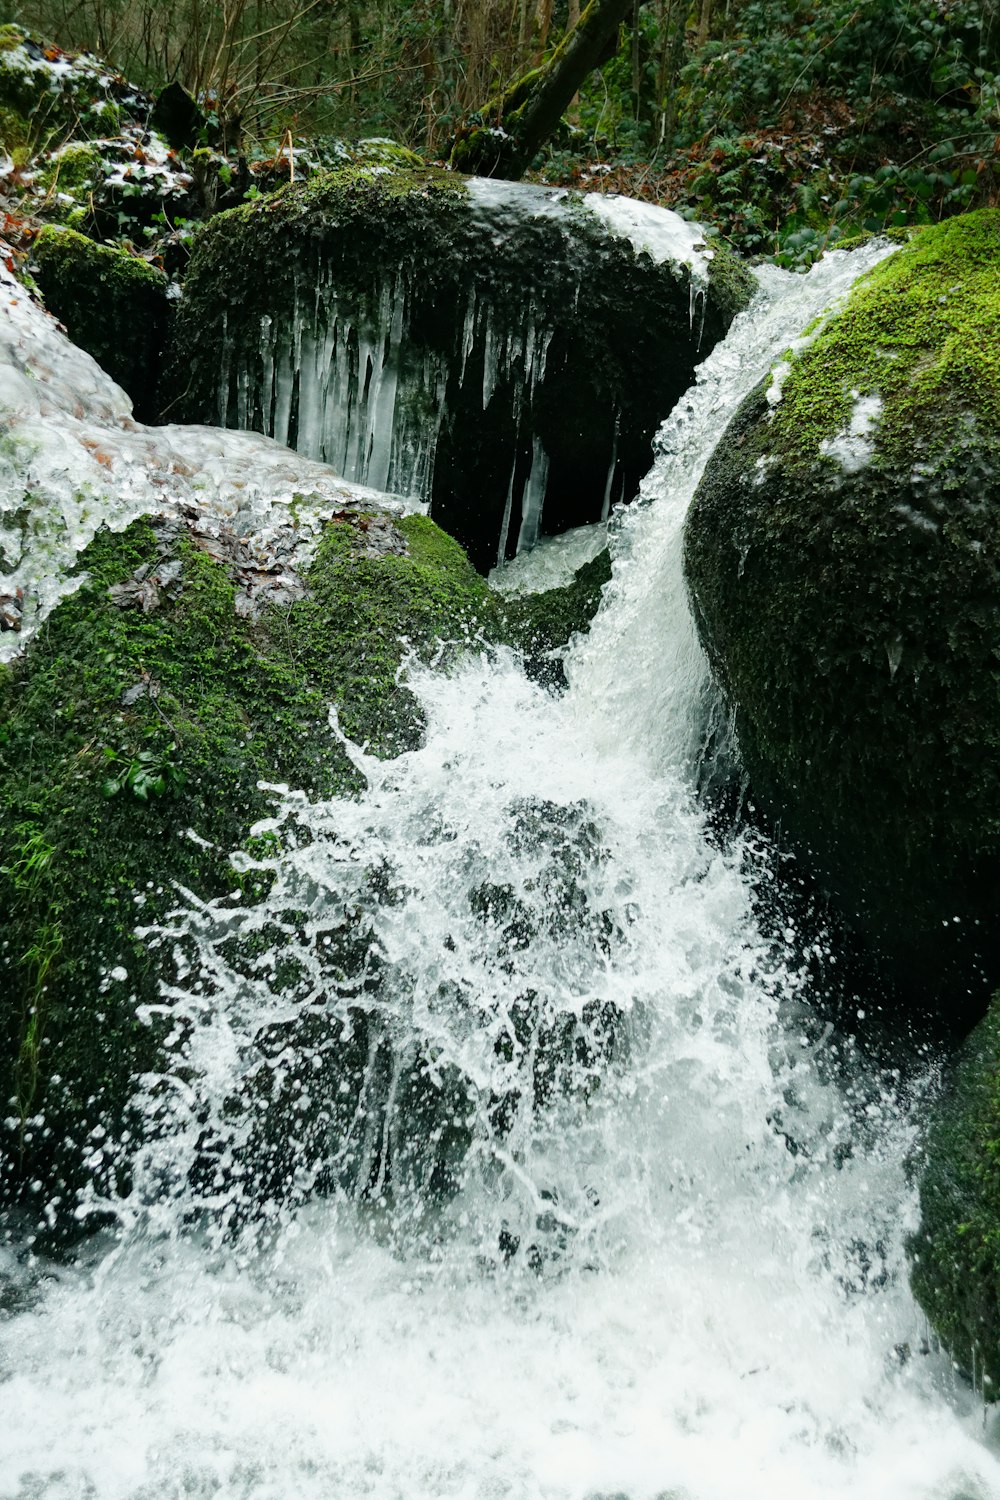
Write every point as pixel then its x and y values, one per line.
pixel 378 151
pixel 920 333
pixel 732 283
pixel 210 703
pixel 15 134
pixel 955 1255
pixel 113 304
pixel 900 235
pixel 349 630
pixel 73 171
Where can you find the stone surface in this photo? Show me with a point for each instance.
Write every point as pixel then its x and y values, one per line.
pixel 843 558
pixel 955 1254
pixel 506 352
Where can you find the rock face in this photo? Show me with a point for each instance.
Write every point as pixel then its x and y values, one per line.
pixel 45 92
pixel 505 352
pixel 955 1255
pixel 114 306
pixel 137 729
pixel 843 558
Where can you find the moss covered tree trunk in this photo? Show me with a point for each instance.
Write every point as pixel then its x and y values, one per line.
pixel 509 130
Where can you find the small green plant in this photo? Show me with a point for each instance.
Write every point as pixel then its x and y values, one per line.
pixel 150 773
pixel 33 857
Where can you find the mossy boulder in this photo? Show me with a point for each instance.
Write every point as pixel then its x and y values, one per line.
pixel 504 351
pixel 48 95
pixel 113 304
pixel 155 881
pixel 135 731
pixel 843 559
pixel 955 1254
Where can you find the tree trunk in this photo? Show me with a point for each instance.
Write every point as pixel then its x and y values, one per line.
pixel 573 20
pixel 510 130
pixel 544 16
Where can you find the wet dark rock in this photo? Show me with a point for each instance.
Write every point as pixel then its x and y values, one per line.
pixel 113 305
pixel 178 117
pixel 955 1254
pixel 510 355
pixel 843 557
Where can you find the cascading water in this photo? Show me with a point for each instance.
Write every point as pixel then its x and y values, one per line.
pixel 602 1216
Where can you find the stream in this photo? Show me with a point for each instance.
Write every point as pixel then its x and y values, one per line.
pixel 670 1263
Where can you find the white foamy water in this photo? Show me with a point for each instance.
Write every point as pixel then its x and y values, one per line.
pixel 670 1262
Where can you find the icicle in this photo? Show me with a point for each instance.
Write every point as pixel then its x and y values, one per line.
pixel 267 372
pixel 544 354
pixel 533 498
pixel 696 300
pixel 491 360
pixel 310 433
pixel 505 527
pixel 283 382
pixel 468 332
pixel 382 400
pixel 606 508
pixel 242 397
pixel 224 364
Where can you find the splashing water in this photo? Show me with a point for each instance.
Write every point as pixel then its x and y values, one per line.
pixel 600 1215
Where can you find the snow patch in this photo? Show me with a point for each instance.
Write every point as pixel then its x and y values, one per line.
pixel 657 232
pixel 852 447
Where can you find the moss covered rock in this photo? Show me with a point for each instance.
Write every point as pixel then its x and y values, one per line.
pixel 63 181
pixel 114 305
pixel 843 557
pixel 955 1255
pixel 504 351
pixel 134 734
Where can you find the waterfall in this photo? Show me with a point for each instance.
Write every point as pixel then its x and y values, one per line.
pixel 595 1205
